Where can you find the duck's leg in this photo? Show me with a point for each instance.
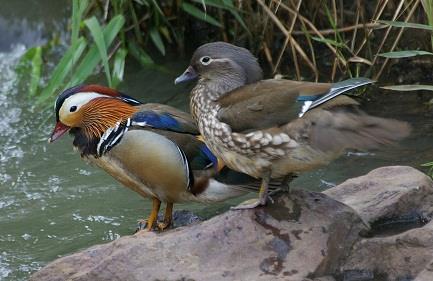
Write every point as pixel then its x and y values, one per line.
pixel 285 183
pixel 156 204
pixel 168 217
pixel 263 195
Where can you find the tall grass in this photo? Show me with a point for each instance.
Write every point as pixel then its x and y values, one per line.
pixel 315 40
pixel 79 60
pixel 428 9
pixel 106 33
pixel 343 38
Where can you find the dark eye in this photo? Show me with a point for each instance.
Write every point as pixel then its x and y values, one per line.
pixel 73 108
pixel 205 60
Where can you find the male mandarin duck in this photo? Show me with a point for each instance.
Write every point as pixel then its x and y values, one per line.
pixel 274 128
pixel 152 149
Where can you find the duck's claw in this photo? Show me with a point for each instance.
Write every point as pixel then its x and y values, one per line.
pixel 147 225
pixel 141 225
pixel 163 225
pixel 249 204
pixel 256 202
pixel 168 217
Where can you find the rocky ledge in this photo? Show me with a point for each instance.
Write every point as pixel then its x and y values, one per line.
pixel 374 227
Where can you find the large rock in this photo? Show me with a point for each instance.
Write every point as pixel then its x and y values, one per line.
pixel 396 257
pixel 388 192
pixel 308 237
pixel 304 236
pixel 397 202
pixel 426 274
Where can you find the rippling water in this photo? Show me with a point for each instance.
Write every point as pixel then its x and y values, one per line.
pixel 53 204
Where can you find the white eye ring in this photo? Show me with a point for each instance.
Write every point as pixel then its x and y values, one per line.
pixel 205 60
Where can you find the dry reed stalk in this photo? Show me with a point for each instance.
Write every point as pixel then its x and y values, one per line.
pixel 394 45
pixel 380 7
pixel 314 29
pixel 350 28
pixel 287 34
pixel 295 58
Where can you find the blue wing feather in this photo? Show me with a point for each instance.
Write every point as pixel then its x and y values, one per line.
pixel 309 98
pixel 208 155
pixel 158 121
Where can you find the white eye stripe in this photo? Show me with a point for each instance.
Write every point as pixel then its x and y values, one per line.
pixel 83 97
pixel 77 100
pixel 205 60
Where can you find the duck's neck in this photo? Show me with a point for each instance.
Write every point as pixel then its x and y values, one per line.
pixel 96 146
pixel 217 89
pixel 84 144
pixel 98 117
pixel 212 88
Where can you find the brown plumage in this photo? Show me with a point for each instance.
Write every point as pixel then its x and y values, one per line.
pixel 152 149
pixel 273 128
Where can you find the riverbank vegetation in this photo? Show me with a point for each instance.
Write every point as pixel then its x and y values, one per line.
pixel 323 40
pixel 316 40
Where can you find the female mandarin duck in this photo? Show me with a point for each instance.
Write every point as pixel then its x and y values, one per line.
pixel 273 128
pixel 152 149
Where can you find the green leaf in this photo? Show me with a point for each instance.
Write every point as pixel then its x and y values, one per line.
pixel 430 170
pixel 69 59
pixel 213 3
pixel 91 59
pixel 29 69
pixel 226 5
pixel 139 54
pixel 119 66
pixel 195 12
pixel 157 40
pixel 76 18
pixel 78 8
pixel 164 31
pixel 404 54
pixel 35 75
pixel 406 24
pixel 406 88
pixel 136 24
pixel 329 41
pixel 240 20
pixel 96 31
pixel 23 66
pixel 234 11
pixel 158 9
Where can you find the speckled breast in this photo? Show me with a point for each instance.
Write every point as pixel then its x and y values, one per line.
pixel 218 137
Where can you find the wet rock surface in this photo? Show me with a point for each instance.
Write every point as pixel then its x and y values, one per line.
pixel 397 257
pixel 182 218
pixel 305 236
pixel 397 203
pixel 293 238
pixel 388 193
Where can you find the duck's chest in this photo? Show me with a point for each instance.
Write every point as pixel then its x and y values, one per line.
pixel 115 168
pixel 219 138
pixel 145 162
pixel 205 112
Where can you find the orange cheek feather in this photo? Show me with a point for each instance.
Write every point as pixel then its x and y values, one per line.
pixel 103 113
pixel 72 120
